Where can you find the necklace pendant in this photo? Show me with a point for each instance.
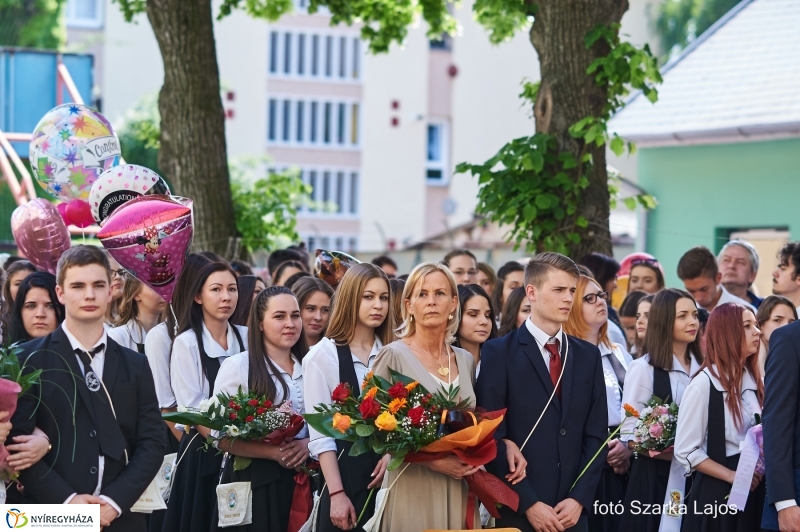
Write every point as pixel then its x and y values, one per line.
pixel 444 372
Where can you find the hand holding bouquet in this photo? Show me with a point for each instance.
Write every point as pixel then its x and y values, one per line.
pixel 655 429
pixel 13 383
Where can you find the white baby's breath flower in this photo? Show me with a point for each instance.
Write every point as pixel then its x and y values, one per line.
pixel 182 409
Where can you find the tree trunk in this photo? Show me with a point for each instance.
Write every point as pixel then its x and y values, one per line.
pixel 193 153
pixel 567 94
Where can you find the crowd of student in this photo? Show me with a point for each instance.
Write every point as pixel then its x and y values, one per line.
pixel 540 338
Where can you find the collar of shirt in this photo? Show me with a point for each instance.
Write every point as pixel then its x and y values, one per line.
pixel 748 383
pixel 376 346
pixel 76 344
pixel 297 369
pixel 214 350
pixel 135 331
pixel 727 297
pixel 542 337
pixel 614 351
pixel 694 367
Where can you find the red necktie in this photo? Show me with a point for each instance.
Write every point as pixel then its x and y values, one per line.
pixel 555 362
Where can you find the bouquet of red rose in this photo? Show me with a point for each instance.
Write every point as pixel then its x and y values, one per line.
pixel 242 416
pixel 402 419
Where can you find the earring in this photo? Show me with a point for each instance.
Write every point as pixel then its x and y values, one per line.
pixel 411 318
pixel 450 317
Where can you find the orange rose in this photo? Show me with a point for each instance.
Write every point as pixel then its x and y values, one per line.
pixel 386 422
pixel 396 404
pixel 411 385
pixel 341 422
pixel 371 393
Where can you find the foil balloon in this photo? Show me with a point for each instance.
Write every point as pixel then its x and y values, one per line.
pixel 149 236
pixel 78 214
pixel 120 184
pixel 330 266
pixel 40 233
pixel 72 145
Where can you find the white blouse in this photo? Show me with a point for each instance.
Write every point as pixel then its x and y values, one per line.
pixel 321 371
pixel 128 335
pixel 186 369
pixel 157 347
pixel 639 387
pixel 235 372
pixel 691 439
pixel 613 389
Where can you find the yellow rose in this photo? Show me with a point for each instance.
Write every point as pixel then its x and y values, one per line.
pixel 371 393
pixel 386 422
pixel 411 386
pixel 341 422
pixel 396 404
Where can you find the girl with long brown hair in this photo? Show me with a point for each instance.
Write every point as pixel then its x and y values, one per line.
pixel 720 404
pixel 361 324
pixel 671 356
pixel 140 309
pixel 270 368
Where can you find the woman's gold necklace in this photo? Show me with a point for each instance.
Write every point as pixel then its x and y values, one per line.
pixel 443 371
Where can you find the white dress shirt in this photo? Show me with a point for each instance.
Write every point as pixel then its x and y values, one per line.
pixel 98 363
pixel 186 369
pixel 129 335
pixel 691 438
pixel 639 387
pixel 727 297
pixel 157 348
pixel 235 372
pixel 613 388
pixel 321 373
pixel 542 338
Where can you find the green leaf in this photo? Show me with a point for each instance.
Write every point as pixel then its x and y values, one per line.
pixel 395 462
pixel 582 222
pixel 529 212
pixel 543 201
pixel 365 430
pixel 241 462
pixel 617 145
pixel 630 202
pixel 359 447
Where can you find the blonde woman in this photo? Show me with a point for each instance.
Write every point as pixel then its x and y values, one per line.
pixel 430 495
pixel 361 324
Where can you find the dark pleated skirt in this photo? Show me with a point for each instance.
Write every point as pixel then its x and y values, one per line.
pixel 647 485
pixel 193 498
pixel 708 490
pixel 610 490
pixel 272 487
pixel 356 474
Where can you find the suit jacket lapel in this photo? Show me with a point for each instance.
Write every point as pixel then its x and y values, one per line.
pixel 110 365
pixel 568 356
pixel 534 354
pixel 64 348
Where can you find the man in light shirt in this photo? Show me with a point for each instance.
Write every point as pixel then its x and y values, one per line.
pixel 700 275
pixel 738 263
pixel 786 277
pixel 96 402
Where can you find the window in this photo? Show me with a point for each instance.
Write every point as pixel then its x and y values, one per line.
pixel 312 182
pixel 436 160
pixel 326 123
pixel 340 192
pixel 342 57
pixel 444 42
pixel 312 243
pixel 273 52
pixel 84 14
pixel 287 118
pixel 287 53
pixel 325 242
pixel 326 187
pixel 354 124
pixel 301 54
pixel 340 123
pixel 353 244
pixel 339 242
pixel 353 193
pixel 315 55
pixel 272 119
pixel 328 56
pixel 299 127
pixel 312 136
pixel 356 57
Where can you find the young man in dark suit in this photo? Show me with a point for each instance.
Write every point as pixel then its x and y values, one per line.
pixel 782 430
pixel 519 372
pixel 103 452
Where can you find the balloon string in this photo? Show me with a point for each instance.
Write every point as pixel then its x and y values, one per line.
pixel 174 319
